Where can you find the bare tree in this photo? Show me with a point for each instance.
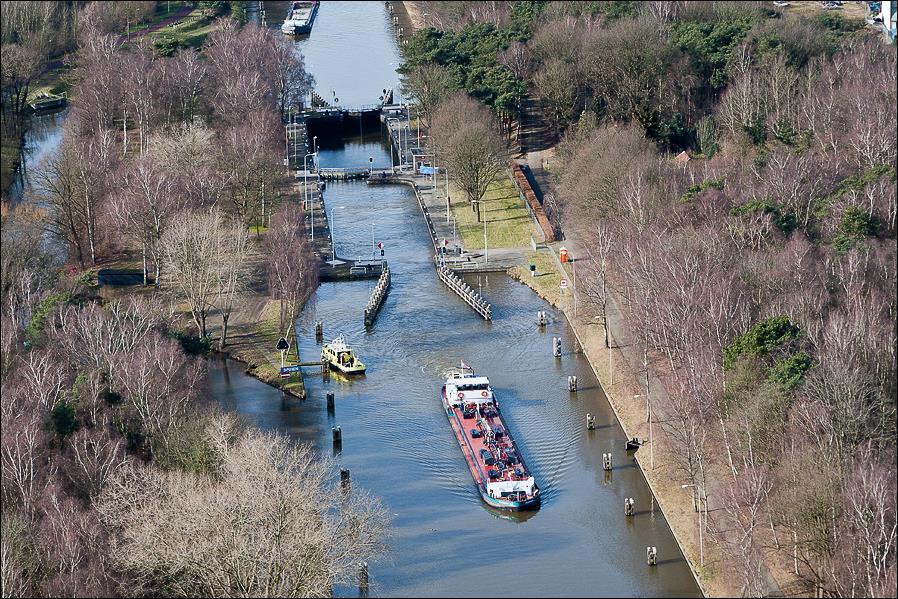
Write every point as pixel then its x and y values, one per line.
pixel 271 522
pixel 292 267
pixel 149 200
pixel 517 59
pixel 464 131
pixel 429 85
pixel 190 247
pixel 231 265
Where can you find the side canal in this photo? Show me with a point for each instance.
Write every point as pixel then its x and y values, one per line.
pixel 396 440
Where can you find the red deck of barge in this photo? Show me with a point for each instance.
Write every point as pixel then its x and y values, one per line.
pixel 500 447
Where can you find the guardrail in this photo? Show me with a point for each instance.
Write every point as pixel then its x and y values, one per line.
pixel 465 292
pixel 329 174
pixel 378 295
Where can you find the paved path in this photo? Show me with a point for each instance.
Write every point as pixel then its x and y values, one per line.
pixel 174 17
pixel 625 345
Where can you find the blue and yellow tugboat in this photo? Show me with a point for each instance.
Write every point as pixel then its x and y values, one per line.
pixel 340 356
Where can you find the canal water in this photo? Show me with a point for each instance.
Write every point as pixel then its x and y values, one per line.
pixel 396 439
pixel 42 137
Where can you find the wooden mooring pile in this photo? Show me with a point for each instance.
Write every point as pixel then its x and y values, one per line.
pixel 378 295
pixel 465 292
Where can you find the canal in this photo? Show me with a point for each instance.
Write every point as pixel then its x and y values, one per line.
pixel 396 439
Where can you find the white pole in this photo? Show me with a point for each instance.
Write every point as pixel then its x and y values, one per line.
pixel 651 442
pixel 610 368
pixel 486 249
pixel 333 243
pixel 574 266
pixel 447 195
pixel 701 544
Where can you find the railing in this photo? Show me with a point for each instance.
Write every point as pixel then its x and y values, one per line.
pixel 465 292
pixel 343 173
pixel 377 296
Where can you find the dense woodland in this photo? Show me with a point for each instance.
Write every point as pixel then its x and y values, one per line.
pixel 118 476
pixel 758 277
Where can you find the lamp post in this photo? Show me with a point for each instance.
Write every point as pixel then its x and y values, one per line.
pixel 701 543
pixel 446 170
pixel 418 124
pixel 648 417
pixel 333 242
pixel 305 190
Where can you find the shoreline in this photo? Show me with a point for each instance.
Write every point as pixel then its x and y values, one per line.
pixel 252 338
pixel 675 506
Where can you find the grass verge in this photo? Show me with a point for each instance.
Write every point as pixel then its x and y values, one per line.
pixel 507 219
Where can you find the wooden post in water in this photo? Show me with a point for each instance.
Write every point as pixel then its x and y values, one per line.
pixel 363 578
pixel 330 403
pixel 338 436
pixel 344 481
pixel 628 507
pixel 651 556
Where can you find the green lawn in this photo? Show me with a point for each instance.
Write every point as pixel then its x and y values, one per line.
pixel 189 32
pixel 507 219
pixel 259 349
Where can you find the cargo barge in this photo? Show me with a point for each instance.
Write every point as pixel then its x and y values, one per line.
pixel 500 475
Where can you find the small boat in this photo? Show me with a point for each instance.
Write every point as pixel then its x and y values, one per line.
pixel 340 356
pixel 300 17
pixel 46 101
pixel 500 475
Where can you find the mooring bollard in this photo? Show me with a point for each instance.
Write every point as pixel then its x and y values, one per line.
pixel 628 507
pixel 572 384
pixel 338 436
pixel 651 556
pixel 330 403
pixel 344 480
pixel 556 347
pixel 590 422
pixel 363 577
pixel 606 461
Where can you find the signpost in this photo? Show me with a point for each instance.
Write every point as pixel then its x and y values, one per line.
pixel 380 246
pixel 282 346
pixel 286 371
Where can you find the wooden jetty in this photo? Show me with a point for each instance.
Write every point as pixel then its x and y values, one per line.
pixel 378 295
pixel 465 292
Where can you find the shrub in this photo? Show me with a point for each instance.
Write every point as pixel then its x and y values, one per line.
pixel 855 226
pixel 788 374
pixel 761 339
